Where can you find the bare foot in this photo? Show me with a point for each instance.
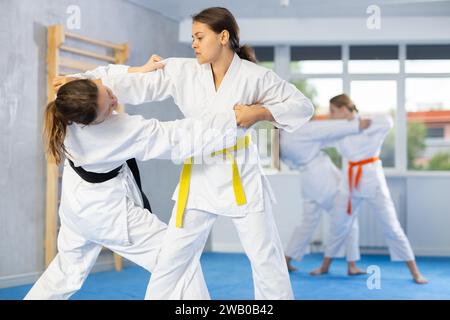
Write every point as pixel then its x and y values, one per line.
pixel 323 269
pixel 420 279
pixel 355 271
pixel 414 269
pixel 318 272
pixel 290 267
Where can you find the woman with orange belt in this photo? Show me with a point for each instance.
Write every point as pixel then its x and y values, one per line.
pixel 364 181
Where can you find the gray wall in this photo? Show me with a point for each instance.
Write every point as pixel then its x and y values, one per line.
pixel 23 96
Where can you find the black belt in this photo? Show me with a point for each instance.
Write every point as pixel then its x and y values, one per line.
pixel 94 177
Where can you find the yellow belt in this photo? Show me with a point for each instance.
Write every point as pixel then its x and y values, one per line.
pixel 241 143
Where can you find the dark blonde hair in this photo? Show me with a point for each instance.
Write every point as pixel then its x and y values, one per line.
pixel 219 19
pixel 76 102
pixel 344 100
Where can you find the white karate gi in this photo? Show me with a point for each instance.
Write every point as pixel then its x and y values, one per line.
pixel 111 214
pixel 372 189
pixel 302 150
pixel 211 193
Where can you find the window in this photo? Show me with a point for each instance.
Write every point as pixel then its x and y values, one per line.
pixel 378 97
pixel 316 60
pixel 427 66
pixel 427 59
pixel 373 59
pixel 428 107
pixel 435 132
pixel 265 56
pixel 317 72
pixel 320 91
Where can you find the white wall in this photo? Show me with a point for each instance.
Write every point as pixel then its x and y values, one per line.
pixel 428 219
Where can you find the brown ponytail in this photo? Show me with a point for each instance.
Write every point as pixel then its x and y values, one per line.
pixel 247 53
pixel 54 132
pixel 344 100
pixel 219 19
pixel 76 101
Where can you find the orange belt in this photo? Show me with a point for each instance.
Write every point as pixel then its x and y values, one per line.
pixel 351 165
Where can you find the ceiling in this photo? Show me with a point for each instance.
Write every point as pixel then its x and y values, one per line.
pixel 182 9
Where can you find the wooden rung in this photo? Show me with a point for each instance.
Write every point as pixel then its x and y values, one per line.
pixel 94 41
pixel 77 65
pixel 87 53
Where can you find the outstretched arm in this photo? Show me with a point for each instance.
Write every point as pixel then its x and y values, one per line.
pixel 132 85
pixel 187 137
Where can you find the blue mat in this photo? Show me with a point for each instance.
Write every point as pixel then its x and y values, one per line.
pixel 229 277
